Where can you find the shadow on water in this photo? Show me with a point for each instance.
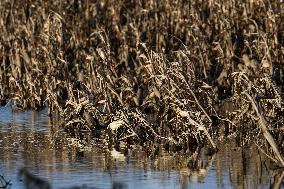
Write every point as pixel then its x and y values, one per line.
pixel 33 182
pixel 52 160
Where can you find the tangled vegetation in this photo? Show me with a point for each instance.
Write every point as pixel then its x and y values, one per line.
pixel 181 73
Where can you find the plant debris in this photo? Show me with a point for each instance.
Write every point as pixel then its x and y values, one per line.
pixel 177 73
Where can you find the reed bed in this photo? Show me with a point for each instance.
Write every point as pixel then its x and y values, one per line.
pixel 181 73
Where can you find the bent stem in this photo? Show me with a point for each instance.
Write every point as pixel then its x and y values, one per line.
pixel 263 125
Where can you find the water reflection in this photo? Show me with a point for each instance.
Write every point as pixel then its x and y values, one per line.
pixel 31 181
pixel 31 140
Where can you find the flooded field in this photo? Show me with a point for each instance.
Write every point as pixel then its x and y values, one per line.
pixel 29 139
pixel 141 94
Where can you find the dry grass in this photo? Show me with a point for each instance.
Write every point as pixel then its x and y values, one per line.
pixel 145 71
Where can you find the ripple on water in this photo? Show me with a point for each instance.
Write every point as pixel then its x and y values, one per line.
pixel 37 121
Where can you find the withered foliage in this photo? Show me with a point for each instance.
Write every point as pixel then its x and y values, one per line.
pixel 146 71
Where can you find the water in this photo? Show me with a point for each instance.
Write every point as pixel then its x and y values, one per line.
pixel 30 139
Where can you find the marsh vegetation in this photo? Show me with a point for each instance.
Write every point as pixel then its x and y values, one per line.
pixel 50 158
pixel 181 74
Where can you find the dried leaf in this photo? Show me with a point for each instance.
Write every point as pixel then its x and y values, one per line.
pixel 206 86
pixel 156 92
pixel 102 101
pixel 116 124
pixel 101 53
pixel 183 113
pixel 265 64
